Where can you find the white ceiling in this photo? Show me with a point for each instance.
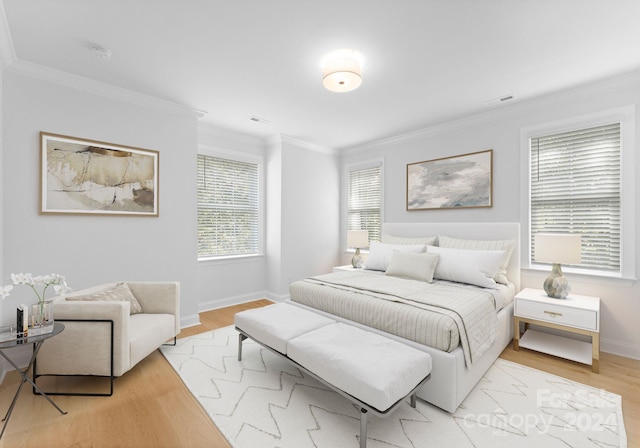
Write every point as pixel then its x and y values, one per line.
pixel 426 61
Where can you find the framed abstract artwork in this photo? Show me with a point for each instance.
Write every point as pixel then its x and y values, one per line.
pixel 88 177
pixel 462 181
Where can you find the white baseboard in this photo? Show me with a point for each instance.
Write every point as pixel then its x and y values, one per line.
pixel 620 348
pixel 277 297
pixel 189 321
pixel 237 300
pixel 230 301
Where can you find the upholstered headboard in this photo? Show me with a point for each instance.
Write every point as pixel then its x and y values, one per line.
pixel 466 230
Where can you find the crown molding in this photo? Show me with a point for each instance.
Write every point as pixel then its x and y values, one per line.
pixel 10 62
pixel 7 52
pixel 273 140
pixel 227 137
pixel 603 86
pixel 76 82
pixel 307 145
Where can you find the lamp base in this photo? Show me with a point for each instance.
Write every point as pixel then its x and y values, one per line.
pixel 557 285
pixel 357 261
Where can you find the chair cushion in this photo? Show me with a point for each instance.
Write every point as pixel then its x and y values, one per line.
pixel 147 332
pixel 274 325
pixel 376 370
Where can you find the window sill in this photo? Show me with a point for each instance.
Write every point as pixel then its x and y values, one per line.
pixel 592 277
pixel 230 259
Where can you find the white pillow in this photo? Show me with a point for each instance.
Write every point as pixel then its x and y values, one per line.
pixel 475 267
pixel 413 266
pixel 391 239
pixel 505 245
pixel 119 293
pixel 380 254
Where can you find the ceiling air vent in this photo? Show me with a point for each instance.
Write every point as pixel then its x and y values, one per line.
pixel 500 100
pixel 259 120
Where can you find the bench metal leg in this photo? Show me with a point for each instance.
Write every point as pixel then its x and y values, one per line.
pixel 413 400
pixel 363 428
pixel 241 337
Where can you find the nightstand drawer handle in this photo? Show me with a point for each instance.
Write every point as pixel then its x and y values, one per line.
pixel 553 314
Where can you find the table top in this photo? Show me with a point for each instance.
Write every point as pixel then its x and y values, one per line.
pixel 572 300
pixel 57 329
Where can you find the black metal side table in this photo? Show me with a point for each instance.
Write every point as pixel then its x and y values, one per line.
pixel 37 342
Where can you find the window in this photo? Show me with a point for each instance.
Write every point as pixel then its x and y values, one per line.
pixel 575 181
pixel 228 207
pixel 364 192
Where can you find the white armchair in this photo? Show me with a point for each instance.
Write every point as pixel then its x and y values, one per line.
pixel 102 338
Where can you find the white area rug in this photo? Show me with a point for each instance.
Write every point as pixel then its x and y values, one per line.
pixel 264 401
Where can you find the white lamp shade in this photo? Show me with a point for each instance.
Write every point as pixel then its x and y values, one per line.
pixel 558 248
pixel 357 238
pixel 341 71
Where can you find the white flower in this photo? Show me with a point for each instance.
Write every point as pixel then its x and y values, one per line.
pixel 4 292
pixel 22 279
pixel 43 281
pixel 62 288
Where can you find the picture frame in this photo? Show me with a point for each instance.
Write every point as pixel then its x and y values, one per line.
pixel 461 181
pixel 89 177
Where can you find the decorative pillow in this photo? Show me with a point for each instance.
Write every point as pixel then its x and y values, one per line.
pixel 475 267
pixel 505 245
pixel 380 254
pixel 413 266
pixel 119 293
pixel 391 239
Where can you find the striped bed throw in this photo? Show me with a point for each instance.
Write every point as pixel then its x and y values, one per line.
pixel 441 315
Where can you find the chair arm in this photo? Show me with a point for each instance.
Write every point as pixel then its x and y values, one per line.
pixel 158 298
pixel 80 338
pixel 89 309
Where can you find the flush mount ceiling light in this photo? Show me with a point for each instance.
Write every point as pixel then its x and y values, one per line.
pixel 342 70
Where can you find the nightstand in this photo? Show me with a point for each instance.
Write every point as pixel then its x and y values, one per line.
pixel 576 314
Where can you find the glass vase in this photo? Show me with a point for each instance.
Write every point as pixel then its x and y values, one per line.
pixel 41 319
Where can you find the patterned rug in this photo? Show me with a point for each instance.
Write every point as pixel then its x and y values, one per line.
pixel 264 401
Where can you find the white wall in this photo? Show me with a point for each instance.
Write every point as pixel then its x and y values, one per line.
pixel 273 244
pixel 302 191
pixel 2 275
pixel 303 222
pixel 226 282
pixel 301 219
pixel 310 212
pixel 90 250
pixel 303 188
pixel 500 130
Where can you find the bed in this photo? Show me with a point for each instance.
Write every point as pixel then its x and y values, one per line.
pixel 463 327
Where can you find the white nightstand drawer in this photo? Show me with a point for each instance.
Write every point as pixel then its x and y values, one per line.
pixel 561 315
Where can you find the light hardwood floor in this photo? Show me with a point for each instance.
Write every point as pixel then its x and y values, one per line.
pixel 152 408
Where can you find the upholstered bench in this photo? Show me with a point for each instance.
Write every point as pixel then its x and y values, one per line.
pixel 372 371
pixel 275 325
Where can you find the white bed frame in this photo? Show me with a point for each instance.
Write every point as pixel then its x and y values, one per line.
pixel 451 381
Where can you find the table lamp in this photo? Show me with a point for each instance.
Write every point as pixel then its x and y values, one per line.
pixel 557 249
pixel 357 239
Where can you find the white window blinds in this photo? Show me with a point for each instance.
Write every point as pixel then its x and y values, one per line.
pixel 228 207
pixel 364 201
pixel 575 188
